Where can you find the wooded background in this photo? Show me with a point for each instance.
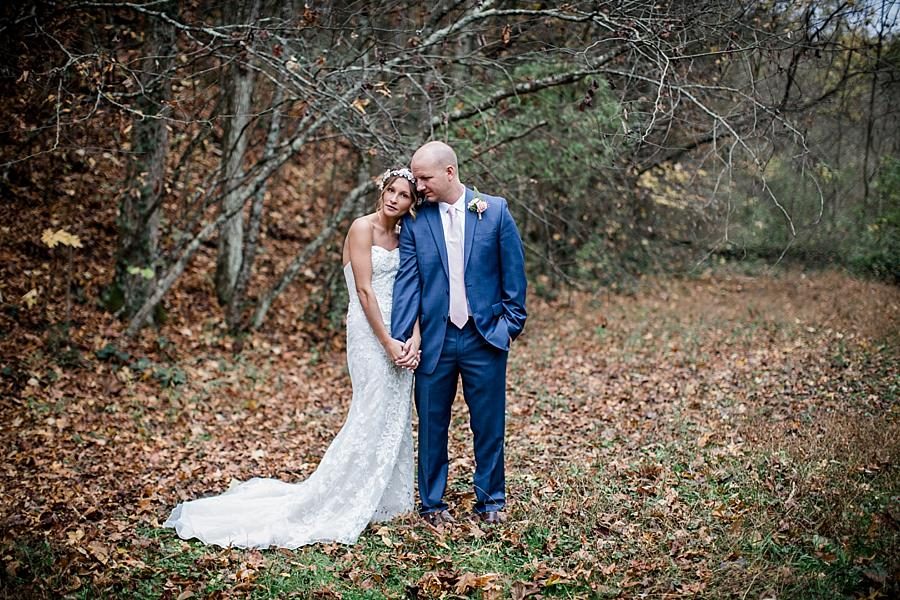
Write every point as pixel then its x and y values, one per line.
pixel 629 137
pixel 704 401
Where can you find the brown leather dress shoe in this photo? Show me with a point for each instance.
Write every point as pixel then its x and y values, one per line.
pixel 438 517
pixel 494 517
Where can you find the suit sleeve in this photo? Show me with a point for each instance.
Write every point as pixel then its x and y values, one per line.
pixel 405 308
pixel 512 272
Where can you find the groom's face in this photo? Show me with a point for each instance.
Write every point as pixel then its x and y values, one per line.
pixel 433 181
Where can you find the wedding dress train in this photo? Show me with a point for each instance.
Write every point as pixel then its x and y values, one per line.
pixel 366 475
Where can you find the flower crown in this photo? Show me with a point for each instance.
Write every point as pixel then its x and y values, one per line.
pixel 404 173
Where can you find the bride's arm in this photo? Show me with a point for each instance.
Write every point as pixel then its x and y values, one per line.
pixel 359 240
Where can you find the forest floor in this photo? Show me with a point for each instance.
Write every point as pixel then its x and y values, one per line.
pixel 721 436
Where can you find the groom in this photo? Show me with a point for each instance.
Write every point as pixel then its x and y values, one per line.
pixel 462 274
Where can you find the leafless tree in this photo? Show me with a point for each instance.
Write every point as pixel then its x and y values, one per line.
pixel 140 208
pixel 711 82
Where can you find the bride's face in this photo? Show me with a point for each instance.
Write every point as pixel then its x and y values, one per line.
pixel 397 197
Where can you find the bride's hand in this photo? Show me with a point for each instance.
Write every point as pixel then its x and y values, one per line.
pixel 410 361
pixel 395 350
pixel 411 354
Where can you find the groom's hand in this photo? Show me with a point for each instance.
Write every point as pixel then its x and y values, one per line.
pixel 411 354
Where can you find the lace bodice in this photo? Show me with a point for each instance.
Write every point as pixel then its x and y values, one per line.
pixel 366 474
pixel 384 268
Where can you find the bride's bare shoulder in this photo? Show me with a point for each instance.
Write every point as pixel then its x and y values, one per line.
pixel 363 221
pixel 361 229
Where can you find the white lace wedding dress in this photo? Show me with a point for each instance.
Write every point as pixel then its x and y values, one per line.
pixel 366 475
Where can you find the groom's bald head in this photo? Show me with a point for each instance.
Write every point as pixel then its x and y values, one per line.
pixel 437 153
pixel 437 172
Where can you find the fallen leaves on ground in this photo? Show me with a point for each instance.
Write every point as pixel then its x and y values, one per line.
pixel 635 425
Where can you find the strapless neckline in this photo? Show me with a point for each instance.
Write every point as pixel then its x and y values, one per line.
pixel 380 248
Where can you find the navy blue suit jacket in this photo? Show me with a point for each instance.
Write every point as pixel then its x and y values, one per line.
pixel 494 263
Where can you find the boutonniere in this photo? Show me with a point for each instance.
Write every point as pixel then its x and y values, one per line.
pixel 477 205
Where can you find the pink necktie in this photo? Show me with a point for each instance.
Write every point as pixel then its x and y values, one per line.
pixel 459 312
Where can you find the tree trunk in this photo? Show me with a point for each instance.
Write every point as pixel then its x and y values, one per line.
pixel 238 91
pixel 870 123
pixel 237 298
pixel 139 210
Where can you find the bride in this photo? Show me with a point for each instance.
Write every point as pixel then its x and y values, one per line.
pixel 366 475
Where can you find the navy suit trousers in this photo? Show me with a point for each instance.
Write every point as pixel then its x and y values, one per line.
pixel 482 368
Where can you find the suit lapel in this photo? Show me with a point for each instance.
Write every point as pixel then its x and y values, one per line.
pixel 471 223
pixel 433 217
